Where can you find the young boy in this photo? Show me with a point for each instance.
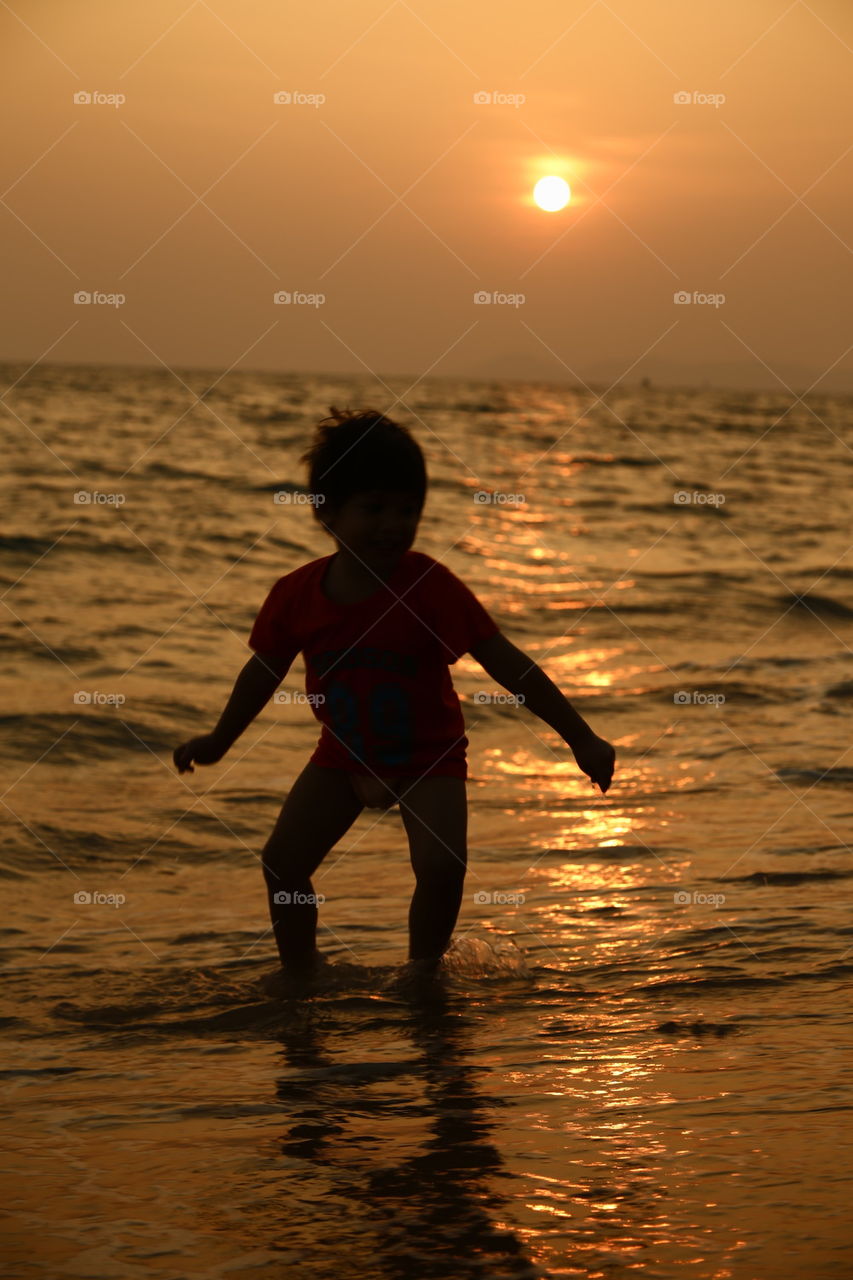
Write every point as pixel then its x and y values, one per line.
pixel 378 624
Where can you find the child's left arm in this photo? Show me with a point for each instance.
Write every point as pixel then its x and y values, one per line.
pixel 517 672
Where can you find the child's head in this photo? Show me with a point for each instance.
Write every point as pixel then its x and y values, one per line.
pixel 359 452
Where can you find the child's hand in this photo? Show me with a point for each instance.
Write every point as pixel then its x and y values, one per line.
pixel 596 759
pixel 203 750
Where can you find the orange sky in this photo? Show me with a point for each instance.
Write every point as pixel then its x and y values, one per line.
pixel 393 195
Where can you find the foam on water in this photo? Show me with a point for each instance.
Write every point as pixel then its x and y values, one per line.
pixel 467 958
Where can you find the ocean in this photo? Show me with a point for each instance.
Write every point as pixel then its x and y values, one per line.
pixel 636 1060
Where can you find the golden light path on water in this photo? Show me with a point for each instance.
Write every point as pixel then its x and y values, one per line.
pixel 603 1074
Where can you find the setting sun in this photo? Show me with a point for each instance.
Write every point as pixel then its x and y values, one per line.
pixel 552 194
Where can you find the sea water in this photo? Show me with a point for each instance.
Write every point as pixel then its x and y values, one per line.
pixel 636 1057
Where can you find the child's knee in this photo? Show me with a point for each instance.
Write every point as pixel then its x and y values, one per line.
pixel 283 865
pixel 445 871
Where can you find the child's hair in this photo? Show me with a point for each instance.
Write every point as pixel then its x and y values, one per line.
pixel 354 451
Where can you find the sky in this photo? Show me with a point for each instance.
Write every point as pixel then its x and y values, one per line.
pixel 378 217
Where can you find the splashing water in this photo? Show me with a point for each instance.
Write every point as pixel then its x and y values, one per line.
pixel 472 957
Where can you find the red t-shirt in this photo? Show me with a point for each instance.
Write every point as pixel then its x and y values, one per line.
pixel 378 669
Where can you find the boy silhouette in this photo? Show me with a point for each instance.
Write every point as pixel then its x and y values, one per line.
pixel 378 625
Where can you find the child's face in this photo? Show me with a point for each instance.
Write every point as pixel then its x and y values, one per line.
pixel 377 526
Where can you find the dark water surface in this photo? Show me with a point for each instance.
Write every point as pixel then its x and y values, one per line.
pixel 637 1059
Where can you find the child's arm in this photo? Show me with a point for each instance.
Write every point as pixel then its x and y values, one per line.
pixel 253 688
pixel 517 672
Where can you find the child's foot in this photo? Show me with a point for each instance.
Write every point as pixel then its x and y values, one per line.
pixel 306 967
pixel 419 976
pixel 298 973
pixel 425 968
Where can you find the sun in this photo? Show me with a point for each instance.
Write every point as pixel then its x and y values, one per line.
pixel 552 194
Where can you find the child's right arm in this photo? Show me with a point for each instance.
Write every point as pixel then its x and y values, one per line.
pixel 253 688
pixel 518 672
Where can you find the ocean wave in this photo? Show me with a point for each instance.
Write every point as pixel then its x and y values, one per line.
pixel 816 605
pixel 158 470
pixel 86 539
pixel 698 1029
pixel 605 853
pixel 785 877
pixel 72 738
pixel 690 986
pixel 844 689
pixel 44 847
pixel 615 460
pixel 840 776
pixel 20 642
pixel 264 414
pixel 29 545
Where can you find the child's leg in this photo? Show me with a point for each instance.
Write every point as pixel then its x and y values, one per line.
pixel 435 814
pixel 321 806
